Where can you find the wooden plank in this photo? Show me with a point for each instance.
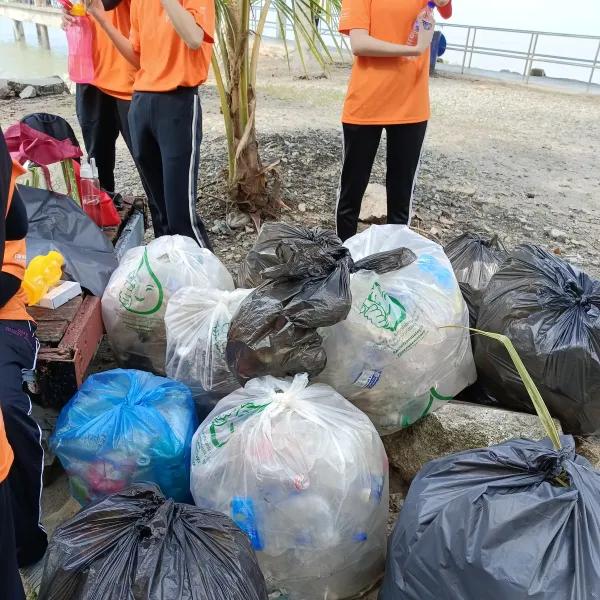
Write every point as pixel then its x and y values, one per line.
pixel 84 335
pixel 66 312
pixel 52 332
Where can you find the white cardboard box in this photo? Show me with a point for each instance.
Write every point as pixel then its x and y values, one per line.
pixel 60 294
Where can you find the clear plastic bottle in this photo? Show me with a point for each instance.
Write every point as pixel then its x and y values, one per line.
pixel 89 184
pixel 80 38
pixel 425 19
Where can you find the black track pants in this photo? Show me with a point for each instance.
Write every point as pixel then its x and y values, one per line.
pixel 166 131
pixel 404 143
pixel 18 349
pixel 102 118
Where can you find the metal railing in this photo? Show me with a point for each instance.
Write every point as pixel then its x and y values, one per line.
pixel 470 47
pixel 529 57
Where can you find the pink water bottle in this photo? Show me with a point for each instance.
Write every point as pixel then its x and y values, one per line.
pixel 80 41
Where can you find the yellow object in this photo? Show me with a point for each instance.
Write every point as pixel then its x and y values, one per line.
pixel 78 9
pixel 42 273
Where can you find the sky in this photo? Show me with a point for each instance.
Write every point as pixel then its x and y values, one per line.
pixel 580 16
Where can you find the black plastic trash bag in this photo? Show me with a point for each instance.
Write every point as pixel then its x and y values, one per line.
pixel 494 524
pixel 303 279
pixel 57 223
pixel 135 545
pixel 551 312
pixel 474 260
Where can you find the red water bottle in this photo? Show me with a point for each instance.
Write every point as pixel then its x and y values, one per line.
pixel 80 41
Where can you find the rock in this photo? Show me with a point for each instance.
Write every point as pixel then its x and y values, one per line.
pixel 302 207
pixel 221 227
pixel 44 86
pixel 530 195
pixel 589 447
pixel 28 92
pixel 5 91
pixel 374 205
pixel 558 235
pixel 455 427
pixel 237 220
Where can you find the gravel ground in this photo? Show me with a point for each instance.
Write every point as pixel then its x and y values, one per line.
pixel 503 158
pixel 499 158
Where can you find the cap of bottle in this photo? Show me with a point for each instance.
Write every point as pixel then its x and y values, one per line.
pixel 86 171
pixel 78 9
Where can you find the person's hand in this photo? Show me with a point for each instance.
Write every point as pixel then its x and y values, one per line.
pixel 441 2
pixel 67 19
pixel 96 9
pixel 426 31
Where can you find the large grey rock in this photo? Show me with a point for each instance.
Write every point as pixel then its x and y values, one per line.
pixel 5 91
pixel 44 86
pixel 455 427
pixel 374 205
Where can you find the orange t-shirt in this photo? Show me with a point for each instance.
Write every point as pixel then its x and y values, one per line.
pixel 114 74
pixel 382 90
pixel 14 262
pixel 166 63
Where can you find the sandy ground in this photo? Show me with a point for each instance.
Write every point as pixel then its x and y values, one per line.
pixel 501 158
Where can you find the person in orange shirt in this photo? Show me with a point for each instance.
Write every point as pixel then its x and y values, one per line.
pixel 22 539
pixel 388 89
pixel 103 107
pixel 170 42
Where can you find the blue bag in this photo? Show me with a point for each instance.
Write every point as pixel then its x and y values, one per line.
pixel 124 427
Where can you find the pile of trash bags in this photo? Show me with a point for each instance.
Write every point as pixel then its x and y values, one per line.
pixel 404 348
pixel 475 259
pixel 197 322
pixel 551 312
pixel 137 545
pixel 516 520
pixel 305 475
pixel 135 300
pixel 123 427
pixel 303 279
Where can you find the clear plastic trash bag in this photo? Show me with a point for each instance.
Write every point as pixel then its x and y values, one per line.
pixel 135 300
pixel 123 427
pixel 304 473
pixel 197 322
pixel 136 545
pixel 404 348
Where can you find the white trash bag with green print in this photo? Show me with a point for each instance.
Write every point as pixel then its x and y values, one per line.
pixel 404 348
pixel 304 473
pixel 136 298
pixel 197 322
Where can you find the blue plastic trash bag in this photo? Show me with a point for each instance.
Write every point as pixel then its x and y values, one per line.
pixel 123 427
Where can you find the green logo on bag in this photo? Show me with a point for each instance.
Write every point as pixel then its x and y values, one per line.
pixel 221 429
pixel 383 310
pixel 142 293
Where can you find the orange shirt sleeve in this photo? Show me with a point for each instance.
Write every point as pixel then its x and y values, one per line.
pixel 15 259
pixel 203 12
pixel 134 29
pixel 355 14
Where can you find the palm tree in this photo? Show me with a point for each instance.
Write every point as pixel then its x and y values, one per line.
pixel 235 63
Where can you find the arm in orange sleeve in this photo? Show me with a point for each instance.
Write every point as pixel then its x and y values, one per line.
pixel 122 44
pixel 194 21
pixel 355 21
